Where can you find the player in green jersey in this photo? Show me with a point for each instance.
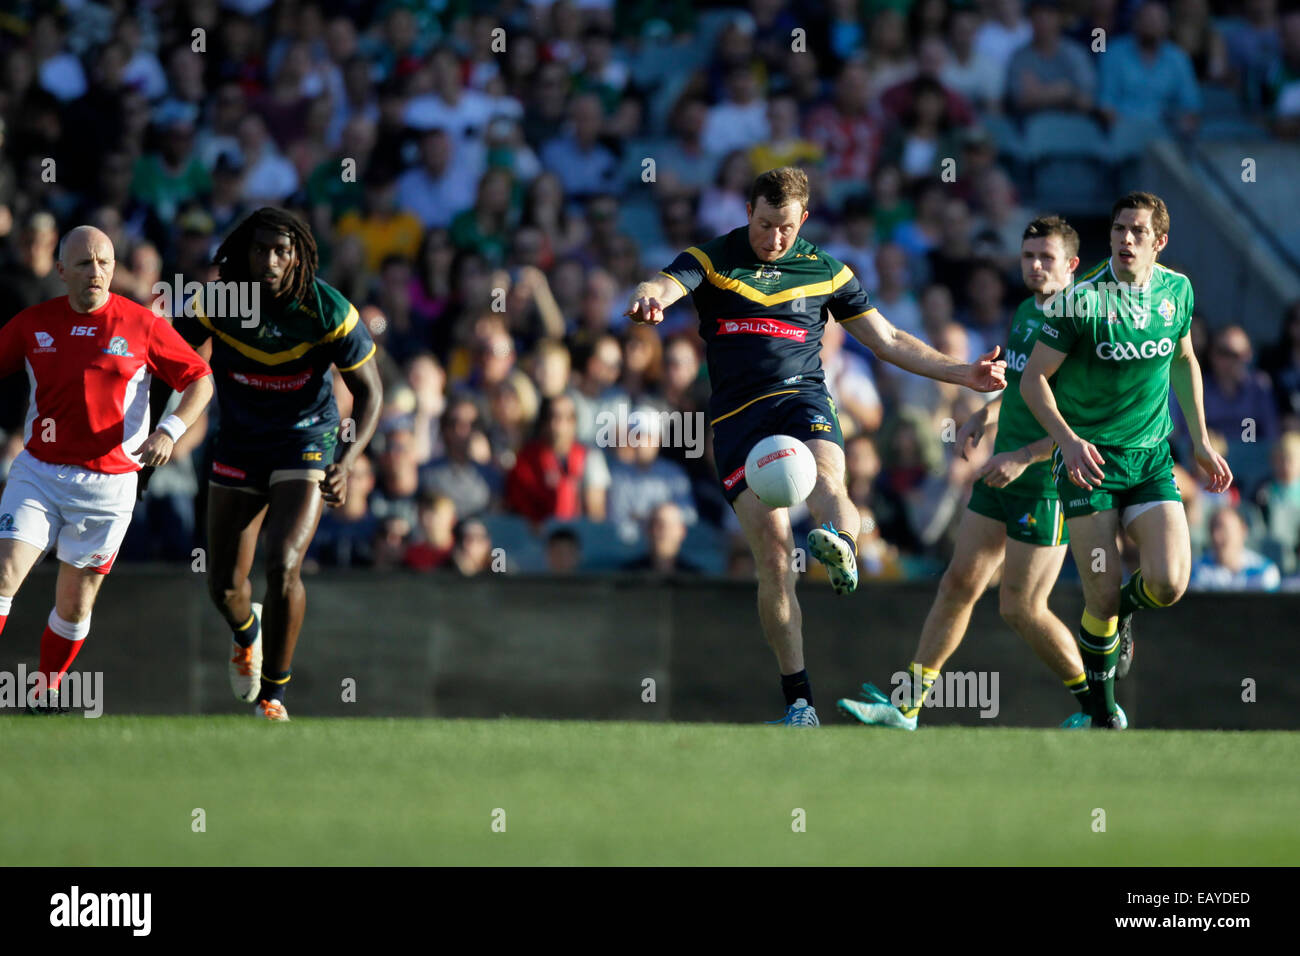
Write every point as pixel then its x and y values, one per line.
pixel 1013 520
pixel 764 294
pixel 1115 343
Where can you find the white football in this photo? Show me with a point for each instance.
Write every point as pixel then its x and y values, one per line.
pixel 781 470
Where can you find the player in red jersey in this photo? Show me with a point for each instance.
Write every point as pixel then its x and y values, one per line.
pixel 88 356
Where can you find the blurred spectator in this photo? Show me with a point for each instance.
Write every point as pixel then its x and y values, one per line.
pixel 1005 31
pixel 849 381
pixel 986 315
pixel 862 468
pixel 847 131
pixel 471 552
pixel 899 100
pixel 683 387
pixel 1251 36
pixel 854 243
pixel 1278 497
pixel 892 207
pixel 639 479
pixel 1282 362
pixel 550 369
pixel 563 551
pixel 1282 84
pixel 485 227
pixel 597 394
pixel 926 134
pixel 390 542
pixel 889 59
pixel 1147 77
pixel 784 146
pixel 383 228
pixel 428 384
pixel 953 259
pixel 58 71
pixel 665 534
pixel 1237 396
pixel 970 72
pixel 893 296
pixel 167 178
pixel 459 474
pixel 643 361
pixel 30 276
pixel 345 536
pixel 1229 565
pixel 555 475
pixel 1049 72
pixel 925 230
pixel 722 206
pixel 579 157
pixel 434 537
pixel 397 476
pixel 878 560
pixel 268 176
pixel 439 188
pixel 450 105
pixel 1002 220
pixel 740 121
pixel 1195 32
pixel 684 165
pixel 513 405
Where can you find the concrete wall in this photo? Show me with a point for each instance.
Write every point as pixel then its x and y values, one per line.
pixel 538 647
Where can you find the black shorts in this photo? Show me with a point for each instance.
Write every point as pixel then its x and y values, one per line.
pixel 255 466
pixel 805 413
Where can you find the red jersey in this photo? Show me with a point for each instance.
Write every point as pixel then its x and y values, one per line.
pixel 89 375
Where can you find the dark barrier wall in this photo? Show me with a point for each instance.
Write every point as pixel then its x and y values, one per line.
pixel 584 648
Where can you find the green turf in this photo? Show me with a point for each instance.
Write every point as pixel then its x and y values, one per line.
pixel 121 790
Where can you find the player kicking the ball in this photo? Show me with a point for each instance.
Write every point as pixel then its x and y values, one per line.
pixel 1120 340
pixel 764 295
pixel 89 356
pixel 274 456
pixel 1013 519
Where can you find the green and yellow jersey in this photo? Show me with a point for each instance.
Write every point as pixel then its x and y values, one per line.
pixel 762 322
pixel 1017 426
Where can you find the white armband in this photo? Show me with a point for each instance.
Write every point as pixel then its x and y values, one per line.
pixel 173 427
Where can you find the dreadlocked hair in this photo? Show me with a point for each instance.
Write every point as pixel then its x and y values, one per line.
pixel 231 258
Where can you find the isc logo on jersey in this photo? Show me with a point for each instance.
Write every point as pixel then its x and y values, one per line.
pixel 1125 351
pixel 1016 360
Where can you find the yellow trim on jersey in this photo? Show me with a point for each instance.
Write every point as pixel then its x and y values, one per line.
pixel 369 356
pixel 859 315
pixel 788 391
pixel 277 358
pixel 776 298
pixel 685 291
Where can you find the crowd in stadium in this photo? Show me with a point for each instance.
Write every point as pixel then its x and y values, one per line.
pixel 487 182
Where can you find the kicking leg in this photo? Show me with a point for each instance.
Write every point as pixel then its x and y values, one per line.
pixel 834 541
pixel 770 539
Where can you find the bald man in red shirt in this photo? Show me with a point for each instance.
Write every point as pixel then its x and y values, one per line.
pixel 88 357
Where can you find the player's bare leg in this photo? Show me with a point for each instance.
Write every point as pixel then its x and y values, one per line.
pixel 1028 576
pixel 977 555
pixel 295 510
pixel 834 541
pixel 234 520
pixel 17 558
pixel 1165 551
pixel 1094 543
pixel 772 542
pixel 65 632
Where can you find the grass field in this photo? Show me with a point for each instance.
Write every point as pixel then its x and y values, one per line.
pixel 423 792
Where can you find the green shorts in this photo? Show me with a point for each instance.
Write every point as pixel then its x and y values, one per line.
pixel 1134 476
pixel 1031 519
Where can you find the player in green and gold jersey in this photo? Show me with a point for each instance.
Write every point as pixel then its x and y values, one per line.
pixel 1013 520
pixel 1115 343
pixel 764 294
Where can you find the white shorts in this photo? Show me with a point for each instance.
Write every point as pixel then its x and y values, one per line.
pixel 86 513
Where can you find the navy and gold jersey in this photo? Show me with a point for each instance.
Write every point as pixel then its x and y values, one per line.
pixel 763 321
pixel 275 377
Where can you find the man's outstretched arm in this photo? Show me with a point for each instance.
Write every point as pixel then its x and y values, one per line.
pixel 987 374
pixel 650 298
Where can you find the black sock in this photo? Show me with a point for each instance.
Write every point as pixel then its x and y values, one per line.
pixel 274 685
pixel 795 686
pixel 246 633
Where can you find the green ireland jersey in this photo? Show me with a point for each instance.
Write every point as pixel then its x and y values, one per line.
pixel 1119 341
pixel 1017 426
